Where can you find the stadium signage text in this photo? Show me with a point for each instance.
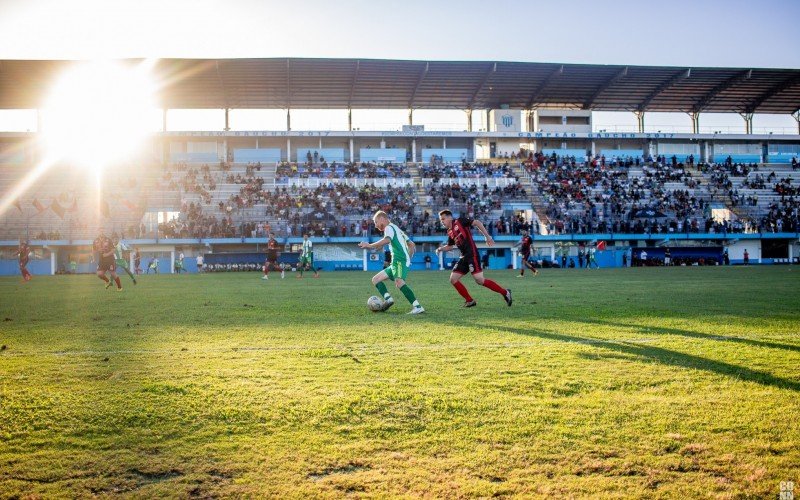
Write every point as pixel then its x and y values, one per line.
pixel 522 135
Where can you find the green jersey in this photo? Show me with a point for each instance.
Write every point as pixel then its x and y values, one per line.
pixel 398 244
pixel 118 249
pixel 306 251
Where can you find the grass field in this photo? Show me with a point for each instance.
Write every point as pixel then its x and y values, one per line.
pixel 680 382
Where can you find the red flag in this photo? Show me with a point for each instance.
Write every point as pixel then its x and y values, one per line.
pixel 39 207
pixel 18 205
pixel 57 208
pixel 601 245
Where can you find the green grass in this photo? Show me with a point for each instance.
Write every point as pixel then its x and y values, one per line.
pixel 638 382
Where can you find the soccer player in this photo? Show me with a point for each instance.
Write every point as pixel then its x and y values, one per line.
pixel 459 235
pixel 307 257
pixel 23 253
pixel 272 257
pixel 591 259
pixel 137 261
pixel 97 245
pixel 401 249
pixel 119 258
pixel 107 263
pixel 179 263
pixel 525 252
pixel 153 266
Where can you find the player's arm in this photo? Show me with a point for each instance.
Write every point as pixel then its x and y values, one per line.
pixel 445 248
pixel 479 226
pixel 383 241
pixel 412 248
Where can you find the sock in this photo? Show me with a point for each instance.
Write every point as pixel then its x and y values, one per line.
pixel 129 273
pixel 522 272
pixel 491 285
pixel 409 295
pixel 102 277
pixel 462 290
pixel 381 286
pixel 116 280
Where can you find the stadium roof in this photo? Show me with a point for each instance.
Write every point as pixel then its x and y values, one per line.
pixel 372 83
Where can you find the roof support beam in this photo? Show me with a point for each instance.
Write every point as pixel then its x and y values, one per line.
pixel 222 85
pixel 492 69
pixel 722 87
pixel 288 84
pixel 538 92
pixel 682 74
pixel 771 92
pixel 640 120
pixel 419 84
pixel 622 73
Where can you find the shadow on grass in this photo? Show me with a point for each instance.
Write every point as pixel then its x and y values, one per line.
pixel 662 356
pixel 696 335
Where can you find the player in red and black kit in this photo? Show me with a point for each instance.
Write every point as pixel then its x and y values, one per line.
pixel 23 252
pixel 459 234
pixel 525 252
pixel 272 257
pixel 106 261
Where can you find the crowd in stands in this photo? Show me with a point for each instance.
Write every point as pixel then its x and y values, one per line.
pixel 437 170
pixel 335 170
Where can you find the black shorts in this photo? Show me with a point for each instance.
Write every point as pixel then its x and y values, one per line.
pixel 107 264
pixel 468 264
pixel 23 263
pixel 272 259
pixel 526 256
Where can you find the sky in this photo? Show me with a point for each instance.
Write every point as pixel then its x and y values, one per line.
pixel 674 33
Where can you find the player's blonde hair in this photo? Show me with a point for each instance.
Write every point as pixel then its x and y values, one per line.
pixel 380 213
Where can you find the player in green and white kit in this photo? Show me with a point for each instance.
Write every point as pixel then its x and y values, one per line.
pixel 402 249
pixel 307 258
pixel 119 248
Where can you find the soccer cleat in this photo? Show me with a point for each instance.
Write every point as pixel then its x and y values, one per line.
pixel 119 289
pixel 520 276
pixel 470 303
pixel 108 284
pixel 417 310
pixel 387 304
pixel 508 298
pixel 265 277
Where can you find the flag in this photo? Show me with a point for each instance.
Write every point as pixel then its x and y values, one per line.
pixel 18 205
pixel 39 207
pixel 57 208
pixel 601 245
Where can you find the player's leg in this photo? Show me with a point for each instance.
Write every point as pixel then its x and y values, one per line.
pixel 266 270
pixel 316 271
pixel 455 280
pixel 492 285
pixel 401 272
pixel 116 279
pixel 378 282
pixel 122 264
pixel 101 273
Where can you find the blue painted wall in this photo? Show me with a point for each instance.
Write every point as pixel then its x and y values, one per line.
pixel 266 155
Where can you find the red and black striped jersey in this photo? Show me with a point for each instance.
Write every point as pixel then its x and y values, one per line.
pixel 525 244
pixel 460 235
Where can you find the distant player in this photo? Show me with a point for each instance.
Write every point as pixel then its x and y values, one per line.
pixel 272 257
pixel 23 254
pixel 119 258
pixel 525 252
pixel 107 263
pixel 591 258
pixel 137 261
pixel 179 264
pixel 459 235
pixel 153 266
pixel 401 249
pixel 199 261
pixel 97 245
pixel 307 257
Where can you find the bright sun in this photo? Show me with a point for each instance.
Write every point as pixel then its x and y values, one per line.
pixel 98 113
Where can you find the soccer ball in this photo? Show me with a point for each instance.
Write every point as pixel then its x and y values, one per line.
pixel 374 303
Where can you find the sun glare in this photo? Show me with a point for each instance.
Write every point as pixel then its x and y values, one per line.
pixel 98 113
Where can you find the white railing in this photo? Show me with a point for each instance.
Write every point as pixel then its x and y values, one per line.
pixel 313 182
pixel 492 182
